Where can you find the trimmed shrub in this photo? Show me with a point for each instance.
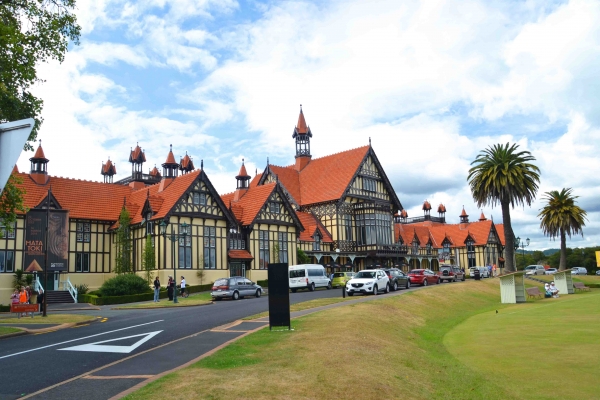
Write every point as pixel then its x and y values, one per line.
pixel 4 308
pixel 124 285
pixel 263 283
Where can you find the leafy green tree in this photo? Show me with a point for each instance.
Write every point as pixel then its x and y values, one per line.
pixel 503 174
pixel 561 217
pixel 148 259
pixel 302 257
pixel 11 201
pixel 124 244
pixel 31 32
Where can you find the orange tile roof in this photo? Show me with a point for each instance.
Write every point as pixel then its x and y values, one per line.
pixel 426 206
pixel 109 168
pixel 301 127
pixel 155 172
pixel 441 208
pixel 137 155
pixel 240 255
pixel 323 179
pixel 186 163
pixel 242 173
pixel 39 153
pixel 170 159
pixel 165 200
pixel 456 233
pixel 311 223
pixel 252 202
pixel 83 199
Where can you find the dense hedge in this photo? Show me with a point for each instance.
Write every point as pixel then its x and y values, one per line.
pixel 124 285
pixel 4 308
pixel 263 283
pixel 97 299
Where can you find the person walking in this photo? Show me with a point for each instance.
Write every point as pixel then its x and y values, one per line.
pixel 182 285
pixel 40 299
pixel 156 290
pixel 494 270
pixel 22 298
pixel 170 288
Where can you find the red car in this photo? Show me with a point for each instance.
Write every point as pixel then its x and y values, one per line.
pixel 423 277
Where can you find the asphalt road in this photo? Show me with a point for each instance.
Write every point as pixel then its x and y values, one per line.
pixel 34 362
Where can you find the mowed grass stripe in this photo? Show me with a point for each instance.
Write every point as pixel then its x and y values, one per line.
pixel 389 348
pixel 542 352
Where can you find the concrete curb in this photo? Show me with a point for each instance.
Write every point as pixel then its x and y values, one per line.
pixel 9 335
pixel 162 307
pixel 57 327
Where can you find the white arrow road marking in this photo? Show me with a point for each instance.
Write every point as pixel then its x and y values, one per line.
pixel 74 340
pixel 98 347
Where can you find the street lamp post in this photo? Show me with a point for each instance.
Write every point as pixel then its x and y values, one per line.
pixel 522 245
pixel 174 237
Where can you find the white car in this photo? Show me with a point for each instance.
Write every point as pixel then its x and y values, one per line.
pixel 551 271
pixel 578 271
pixel 535 270
pixel 368 281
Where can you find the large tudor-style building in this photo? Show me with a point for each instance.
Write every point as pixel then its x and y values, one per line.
pixel 341 210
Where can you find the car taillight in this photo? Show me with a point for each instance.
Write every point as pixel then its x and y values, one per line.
pixel 223 287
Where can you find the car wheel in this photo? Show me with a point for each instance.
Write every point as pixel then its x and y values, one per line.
pixel 387 288
pixel 235 296
pixel 312 287
pixel 350 293
pixel 408 284
pixel 454 280
pixel 375 290
pixel 329 286
pixel 294 290
pixel 425 283
pixel 395 287
pixel 257 293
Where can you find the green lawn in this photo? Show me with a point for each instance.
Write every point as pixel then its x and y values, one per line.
pixel 545 350
pixel 5 330
pixel 193 300
pixel 402 347
pixel 50 319
pixel 305 305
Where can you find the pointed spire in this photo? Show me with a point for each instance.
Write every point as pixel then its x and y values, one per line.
pixel 242 173
pixel 170 166
pixel 202 164
pixel 482 217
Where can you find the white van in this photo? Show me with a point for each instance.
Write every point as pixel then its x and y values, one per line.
pixel 308 276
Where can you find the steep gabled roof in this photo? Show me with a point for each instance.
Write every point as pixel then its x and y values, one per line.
pixel 75 195
pixel 311 225
pixel 252 202
pixel 457 233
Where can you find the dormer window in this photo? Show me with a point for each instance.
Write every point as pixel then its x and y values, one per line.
pixel 199 198
pixel 149 224
pixel 369 185
pixel 415 247
pixel 428 248
pixel 446 249
pixel 317 242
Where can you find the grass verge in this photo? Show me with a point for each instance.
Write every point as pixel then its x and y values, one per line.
pixel 50 319
pixel 305 305
pixel 193 300
pixel 5 330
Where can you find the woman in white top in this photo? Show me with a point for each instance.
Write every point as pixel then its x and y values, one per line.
pixel 182 285
pixel 554 290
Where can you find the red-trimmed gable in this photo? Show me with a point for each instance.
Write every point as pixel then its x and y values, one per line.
pixel 311 224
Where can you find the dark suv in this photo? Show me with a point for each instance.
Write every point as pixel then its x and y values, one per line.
pixel 450 273
pixel 398 279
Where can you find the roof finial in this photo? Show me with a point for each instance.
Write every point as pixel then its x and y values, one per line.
pixel 242 161
pixel 300 107
pixel 170 147
pixel 369 141
pixel 202 164
pixel 267 160
pixel 255 171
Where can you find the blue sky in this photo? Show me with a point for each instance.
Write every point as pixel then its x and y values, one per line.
pixel 431 83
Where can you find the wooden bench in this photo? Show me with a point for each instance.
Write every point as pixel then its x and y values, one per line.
pixel 580 286
pixel 533 291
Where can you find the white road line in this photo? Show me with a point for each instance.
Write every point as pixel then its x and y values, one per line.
pixel 74 340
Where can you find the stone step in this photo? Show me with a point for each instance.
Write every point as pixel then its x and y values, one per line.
pixel 59 296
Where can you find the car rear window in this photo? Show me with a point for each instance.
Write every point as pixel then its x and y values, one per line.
pixel 338 274
pixel 365 274
pixel 416 272
pixel 221 282
pixel 297 273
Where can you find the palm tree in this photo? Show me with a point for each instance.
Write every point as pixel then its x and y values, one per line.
pixel 561 217
pixel 503 174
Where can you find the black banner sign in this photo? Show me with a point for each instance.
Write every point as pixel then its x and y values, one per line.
pixel 279 295
pixel 58 240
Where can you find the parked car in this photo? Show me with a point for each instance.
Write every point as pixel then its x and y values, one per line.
pixel 450 273
pixel 341 278
pixel 535 270
pixel 578 271
pixel 423 277
pixel 397 279
pixel 308 276
pixel 551 271
pixel 598 272
pixel 483 272
pixel 368 281
pixel 235 288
